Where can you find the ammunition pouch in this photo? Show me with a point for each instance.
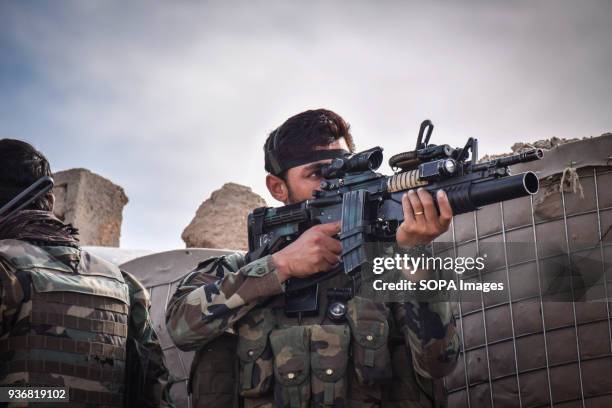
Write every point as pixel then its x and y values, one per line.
pixel 329 349
pixel 307 365
pixel 291 348
pixel 370 332
pixel 255 353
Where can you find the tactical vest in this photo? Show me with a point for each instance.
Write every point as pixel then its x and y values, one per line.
pixel 281 361
pixel 72 327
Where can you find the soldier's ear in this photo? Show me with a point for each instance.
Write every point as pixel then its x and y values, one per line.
pixel 277 188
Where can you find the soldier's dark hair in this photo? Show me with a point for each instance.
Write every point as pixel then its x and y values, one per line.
pixel 304 132
pixel 20 166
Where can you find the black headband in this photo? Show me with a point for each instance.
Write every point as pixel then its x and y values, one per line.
pixel 276 166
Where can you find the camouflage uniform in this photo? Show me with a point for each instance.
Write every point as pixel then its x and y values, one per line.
pixel 66 320
pixel 232 314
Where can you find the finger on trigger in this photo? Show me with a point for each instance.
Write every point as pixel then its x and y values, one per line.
pixel 332 244
pixel 330 229
pixel 330 258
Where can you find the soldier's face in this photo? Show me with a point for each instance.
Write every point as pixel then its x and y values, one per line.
pixel 303 180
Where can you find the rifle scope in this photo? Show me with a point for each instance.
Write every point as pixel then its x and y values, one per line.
pixel 370 159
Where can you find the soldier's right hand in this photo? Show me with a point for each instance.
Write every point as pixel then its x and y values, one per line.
pixel 314 251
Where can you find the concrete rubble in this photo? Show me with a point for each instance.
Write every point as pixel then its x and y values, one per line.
pixel 92 204
pixel 545 144
pixel 221 220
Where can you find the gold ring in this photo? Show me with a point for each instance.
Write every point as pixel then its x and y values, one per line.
pixel 418 213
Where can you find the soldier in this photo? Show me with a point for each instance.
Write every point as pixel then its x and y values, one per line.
pixel 69 319
pixel 251 353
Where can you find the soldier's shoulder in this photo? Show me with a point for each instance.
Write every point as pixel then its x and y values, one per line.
pixel 138 293
pixel 214 265
pixel 214 268
pixel 14 251
pixel 24 255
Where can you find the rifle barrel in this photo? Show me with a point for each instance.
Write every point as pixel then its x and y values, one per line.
pixel 530 155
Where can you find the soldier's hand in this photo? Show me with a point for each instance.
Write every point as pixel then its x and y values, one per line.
pixel 422 223
pixel 314 251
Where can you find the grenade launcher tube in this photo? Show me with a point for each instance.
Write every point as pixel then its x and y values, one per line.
pixel 469 196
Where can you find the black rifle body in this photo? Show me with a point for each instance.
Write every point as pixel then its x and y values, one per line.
pixel 368 204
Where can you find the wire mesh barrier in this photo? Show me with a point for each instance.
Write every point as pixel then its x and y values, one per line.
pixel 520 348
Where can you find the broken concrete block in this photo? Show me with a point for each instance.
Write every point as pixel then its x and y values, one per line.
pixel 92 204
pixel 221 221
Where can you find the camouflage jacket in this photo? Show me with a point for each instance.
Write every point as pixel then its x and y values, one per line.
pixel 213 301
pixel 97 322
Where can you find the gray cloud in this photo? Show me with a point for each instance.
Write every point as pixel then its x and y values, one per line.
pixel 172 100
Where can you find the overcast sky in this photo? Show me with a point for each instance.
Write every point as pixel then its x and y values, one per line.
pixel 173 99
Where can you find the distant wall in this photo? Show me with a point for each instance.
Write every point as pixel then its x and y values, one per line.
pixel 92 204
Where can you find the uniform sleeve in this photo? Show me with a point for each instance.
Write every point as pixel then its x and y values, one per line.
pixel 429 330
pixel 217 294
pixel 11 297
pixel 140 329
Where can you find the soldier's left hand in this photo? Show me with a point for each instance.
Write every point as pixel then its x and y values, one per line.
pixel 422 222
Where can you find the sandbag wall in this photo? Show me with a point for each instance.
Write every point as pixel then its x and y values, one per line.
pixel 521 349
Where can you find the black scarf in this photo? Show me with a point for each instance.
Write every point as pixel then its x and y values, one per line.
pixel 39 227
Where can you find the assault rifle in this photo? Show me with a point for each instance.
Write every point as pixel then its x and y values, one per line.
pixel 369 206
